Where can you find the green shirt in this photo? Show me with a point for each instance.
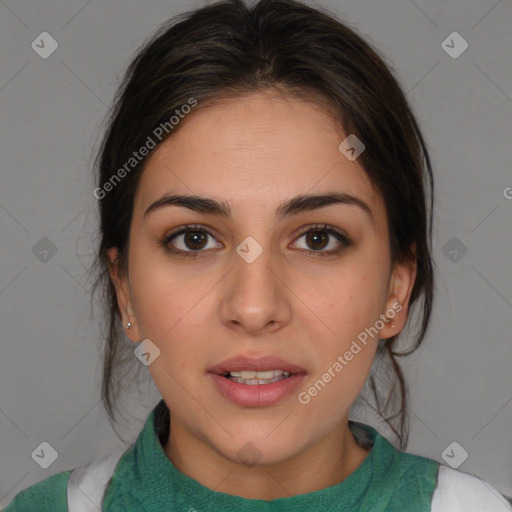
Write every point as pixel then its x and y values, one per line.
pixel 145 479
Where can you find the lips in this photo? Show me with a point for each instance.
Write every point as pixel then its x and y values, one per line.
pixel 257 393
pixel 262 363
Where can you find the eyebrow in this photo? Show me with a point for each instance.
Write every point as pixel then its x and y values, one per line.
pixel 293 206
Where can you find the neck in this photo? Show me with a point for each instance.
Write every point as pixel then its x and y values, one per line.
pixel 324 464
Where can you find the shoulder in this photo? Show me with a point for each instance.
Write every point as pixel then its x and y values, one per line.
pixel 457 491
pixel 47 495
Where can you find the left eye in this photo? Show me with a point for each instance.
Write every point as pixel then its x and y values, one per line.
pixel 318 239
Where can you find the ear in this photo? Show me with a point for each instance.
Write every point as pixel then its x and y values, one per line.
pixel 123 294
pixel 401 284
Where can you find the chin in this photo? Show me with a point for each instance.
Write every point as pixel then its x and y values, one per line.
pixel 259 451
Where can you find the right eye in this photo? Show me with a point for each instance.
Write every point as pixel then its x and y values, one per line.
pixel 191 241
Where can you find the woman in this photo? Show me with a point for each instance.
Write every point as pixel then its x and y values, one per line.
pixel 265 196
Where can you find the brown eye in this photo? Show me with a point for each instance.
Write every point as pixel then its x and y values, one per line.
pixel 319 238
pixel 189 241
pixel 195 240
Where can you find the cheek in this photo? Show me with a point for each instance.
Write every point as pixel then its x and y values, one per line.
pixel 347 310
pixel 166 309
pixel 171 309
pixel 345 355
pixel 163 295
pixel 158 307
pixel 352 298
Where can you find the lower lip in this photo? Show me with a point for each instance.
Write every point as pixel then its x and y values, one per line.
pixel 258 395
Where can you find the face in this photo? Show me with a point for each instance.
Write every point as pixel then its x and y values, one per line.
pixel 273 287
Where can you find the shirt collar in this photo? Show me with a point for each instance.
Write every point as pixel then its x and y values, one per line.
pixel 153 479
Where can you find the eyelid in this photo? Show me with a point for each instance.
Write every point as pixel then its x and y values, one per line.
pixel 190 227
pixel 182 230
pixel 343 239
pixel 323 227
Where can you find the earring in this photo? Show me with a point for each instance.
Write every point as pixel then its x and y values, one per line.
pixel 128 325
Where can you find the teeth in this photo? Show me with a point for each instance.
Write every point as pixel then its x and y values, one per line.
pixel 263 377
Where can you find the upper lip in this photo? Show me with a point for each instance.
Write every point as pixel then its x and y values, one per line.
pixel 243 362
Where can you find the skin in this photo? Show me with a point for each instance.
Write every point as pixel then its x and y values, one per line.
pixel 254 153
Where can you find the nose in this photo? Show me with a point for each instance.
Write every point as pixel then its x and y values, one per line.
pixel 255 298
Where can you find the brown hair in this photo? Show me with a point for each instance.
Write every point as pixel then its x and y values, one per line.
pixel 229 48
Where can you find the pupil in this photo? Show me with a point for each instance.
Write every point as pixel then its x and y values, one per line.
pixel 315 237
pixel 192 238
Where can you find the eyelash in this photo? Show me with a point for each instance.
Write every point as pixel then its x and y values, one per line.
pixel 345 241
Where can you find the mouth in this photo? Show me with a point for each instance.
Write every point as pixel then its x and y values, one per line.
pixel 256 381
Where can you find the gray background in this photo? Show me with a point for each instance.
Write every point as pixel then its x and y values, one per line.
pixel 51 114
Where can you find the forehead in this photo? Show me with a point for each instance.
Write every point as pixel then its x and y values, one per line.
pixel 254 152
